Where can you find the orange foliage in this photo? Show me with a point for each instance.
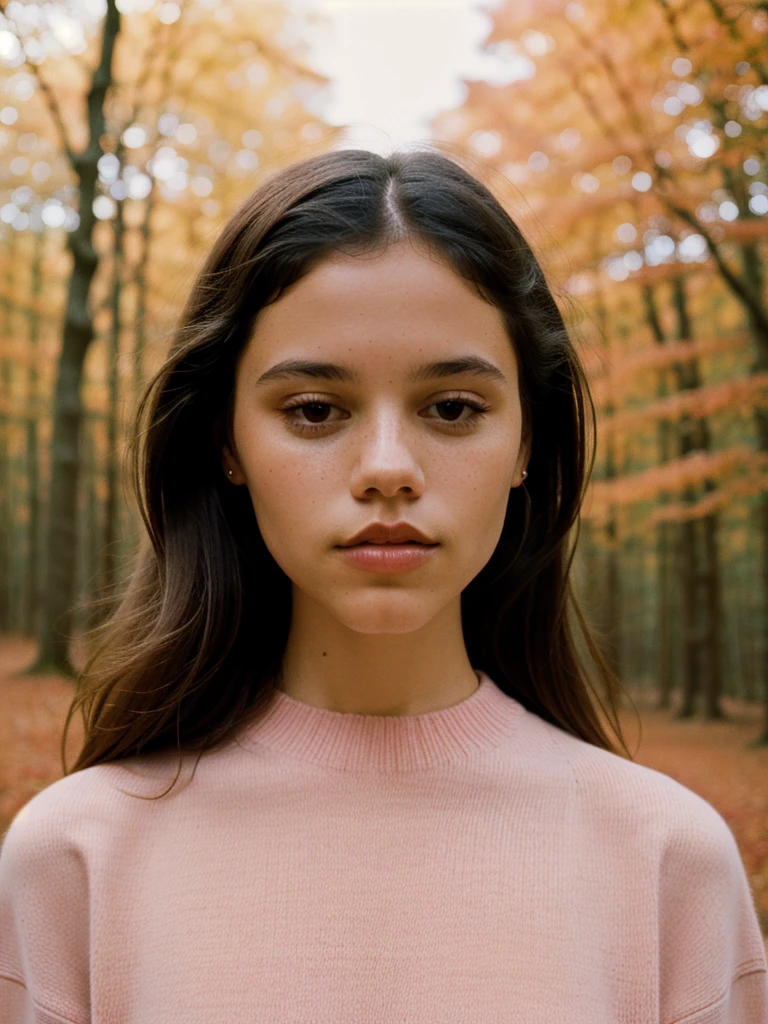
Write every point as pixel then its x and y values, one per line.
pixel 734 395
pixel 659 357
pixel 675 476
pixel 713 501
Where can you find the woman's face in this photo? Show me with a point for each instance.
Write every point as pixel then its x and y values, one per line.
pixel 381 438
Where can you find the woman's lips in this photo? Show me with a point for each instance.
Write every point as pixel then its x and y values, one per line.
pixel 388 558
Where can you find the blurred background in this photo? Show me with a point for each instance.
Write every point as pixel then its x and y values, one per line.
pixel 628 140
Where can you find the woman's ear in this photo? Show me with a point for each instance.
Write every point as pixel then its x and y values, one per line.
pixel 521 473
pixel 231 466
pixel 523 458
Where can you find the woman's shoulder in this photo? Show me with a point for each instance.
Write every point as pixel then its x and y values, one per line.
pixel 628 792
pixel 75 809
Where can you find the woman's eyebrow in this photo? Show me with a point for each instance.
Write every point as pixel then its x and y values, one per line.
pixel 474 365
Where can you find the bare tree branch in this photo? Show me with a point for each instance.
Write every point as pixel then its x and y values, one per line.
pixel 50 99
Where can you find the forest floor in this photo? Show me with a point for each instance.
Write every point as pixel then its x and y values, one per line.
pixel 712 759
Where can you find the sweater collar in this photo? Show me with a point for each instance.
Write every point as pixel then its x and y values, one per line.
pixel 385 743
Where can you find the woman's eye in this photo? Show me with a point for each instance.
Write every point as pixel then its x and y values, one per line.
pixel 316 414
pixel 454 407
pixel 315 411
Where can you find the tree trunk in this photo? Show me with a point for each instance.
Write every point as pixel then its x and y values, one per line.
pixel 90 530
pixel 664 554
pixel 5 498
pixel 689 626
pixel 32 568
pixel 610 613
pixel 754 272
pixel 140 330
pixel 67 410
pixel 613 599
pixel 713 618
pixel 6 508
pixel 664 530
pixel 110 535
pixel 700 576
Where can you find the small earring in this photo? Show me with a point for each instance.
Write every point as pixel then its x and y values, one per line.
pixel 524 473
pixel 229 472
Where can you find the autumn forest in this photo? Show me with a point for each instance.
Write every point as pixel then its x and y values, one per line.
pixel 628 142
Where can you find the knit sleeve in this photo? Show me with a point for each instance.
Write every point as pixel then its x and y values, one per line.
pixel 712 966
pixel 43 921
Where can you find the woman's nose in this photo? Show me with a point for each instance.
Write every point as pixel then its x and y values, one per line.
pixel 387 458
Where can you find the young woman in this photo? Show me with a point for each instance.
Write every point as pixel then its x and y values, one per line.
pixel 360 469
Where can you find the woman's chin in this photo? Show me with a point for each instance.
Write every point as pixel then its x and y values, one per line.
pixel 386 612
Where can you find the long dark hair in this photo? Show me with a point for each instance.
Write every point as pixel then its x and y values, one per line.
pixel 190 654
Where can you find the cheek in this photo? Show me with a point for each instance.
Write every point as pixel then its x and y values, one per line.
pixel 288 494
pixel 482 474
pixel 491 504
pixel 483 497
pixel 279 499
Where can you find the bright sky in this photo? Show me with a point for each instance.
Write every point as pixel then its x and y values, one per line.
pixel 395 63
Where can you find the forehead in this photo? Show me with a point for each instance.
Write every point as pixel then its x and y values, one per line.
pixel 400 304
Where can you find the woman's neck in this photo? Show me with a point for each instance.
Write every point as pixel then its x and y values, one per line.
pixel 330 666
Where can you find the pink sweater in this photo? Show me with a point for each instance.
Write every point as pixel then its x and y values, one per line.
pixel 473 865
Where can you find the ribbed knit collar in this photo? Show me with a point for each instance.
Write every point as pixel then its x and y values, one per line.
pixel 385 743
